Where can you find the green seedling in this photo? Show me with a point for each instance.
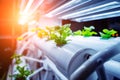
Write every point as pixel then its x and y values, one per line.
pixel 78 32
pixel 86 32
pixel 42 33
pixel 22 71
pixel 59 34
pixel 17 58
pixel 106 34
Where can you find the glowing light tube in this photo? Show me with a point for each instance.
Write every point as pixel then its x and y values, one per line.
pixel 21 5
pixel 98 16
pixel 99 10
pixel 88 10
pixel 28 6
pixel 74 6
pixel 37 5
pixel 62 7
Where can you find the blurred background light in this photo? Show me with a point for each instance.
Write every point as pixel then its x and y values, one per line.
pixel 23 19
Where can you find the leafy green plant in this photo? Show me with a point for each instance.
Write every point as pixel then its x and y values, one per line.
pixel 42 33
pixel 52 31
pixel 87 31
pixel 59 34
pixel 106 34
pixel 22 71
pixel 20 38
pixel 17 58
pixel 78 32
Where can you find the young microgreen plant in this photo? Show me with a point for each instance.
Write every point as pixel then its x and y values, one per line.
pixel 86 32
pixel 59 34
pixel 106 34
pixel 22 71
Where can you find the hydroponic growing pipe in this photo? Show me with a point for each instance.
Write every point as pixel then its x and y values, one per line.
pixel 66 58
pixel 94 62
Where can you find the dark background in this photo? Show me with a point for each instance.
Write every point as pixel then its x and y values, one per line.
pixel 109 23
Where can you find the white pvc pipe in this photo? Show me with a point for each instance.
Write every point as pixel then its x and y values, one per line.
pixel 33 59
pixel 54 69
pixel 113 68
pixel 34 73
pixel 24 42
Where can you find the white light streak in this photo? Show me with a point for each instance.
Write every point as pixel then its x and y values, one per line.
pixel 28 6
pixel 90 9
pixel 51 14
pixel 98 16
pixel 37 5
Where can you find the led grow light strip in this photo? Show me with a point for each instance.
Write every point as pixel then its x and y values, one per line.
pixel 107 16
pixel 21 5
pixel 98 16
pixel 37 5
pixel 61 7
pixel 91 9
pixel 73 7
pixel 99 10
pixel 28 6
